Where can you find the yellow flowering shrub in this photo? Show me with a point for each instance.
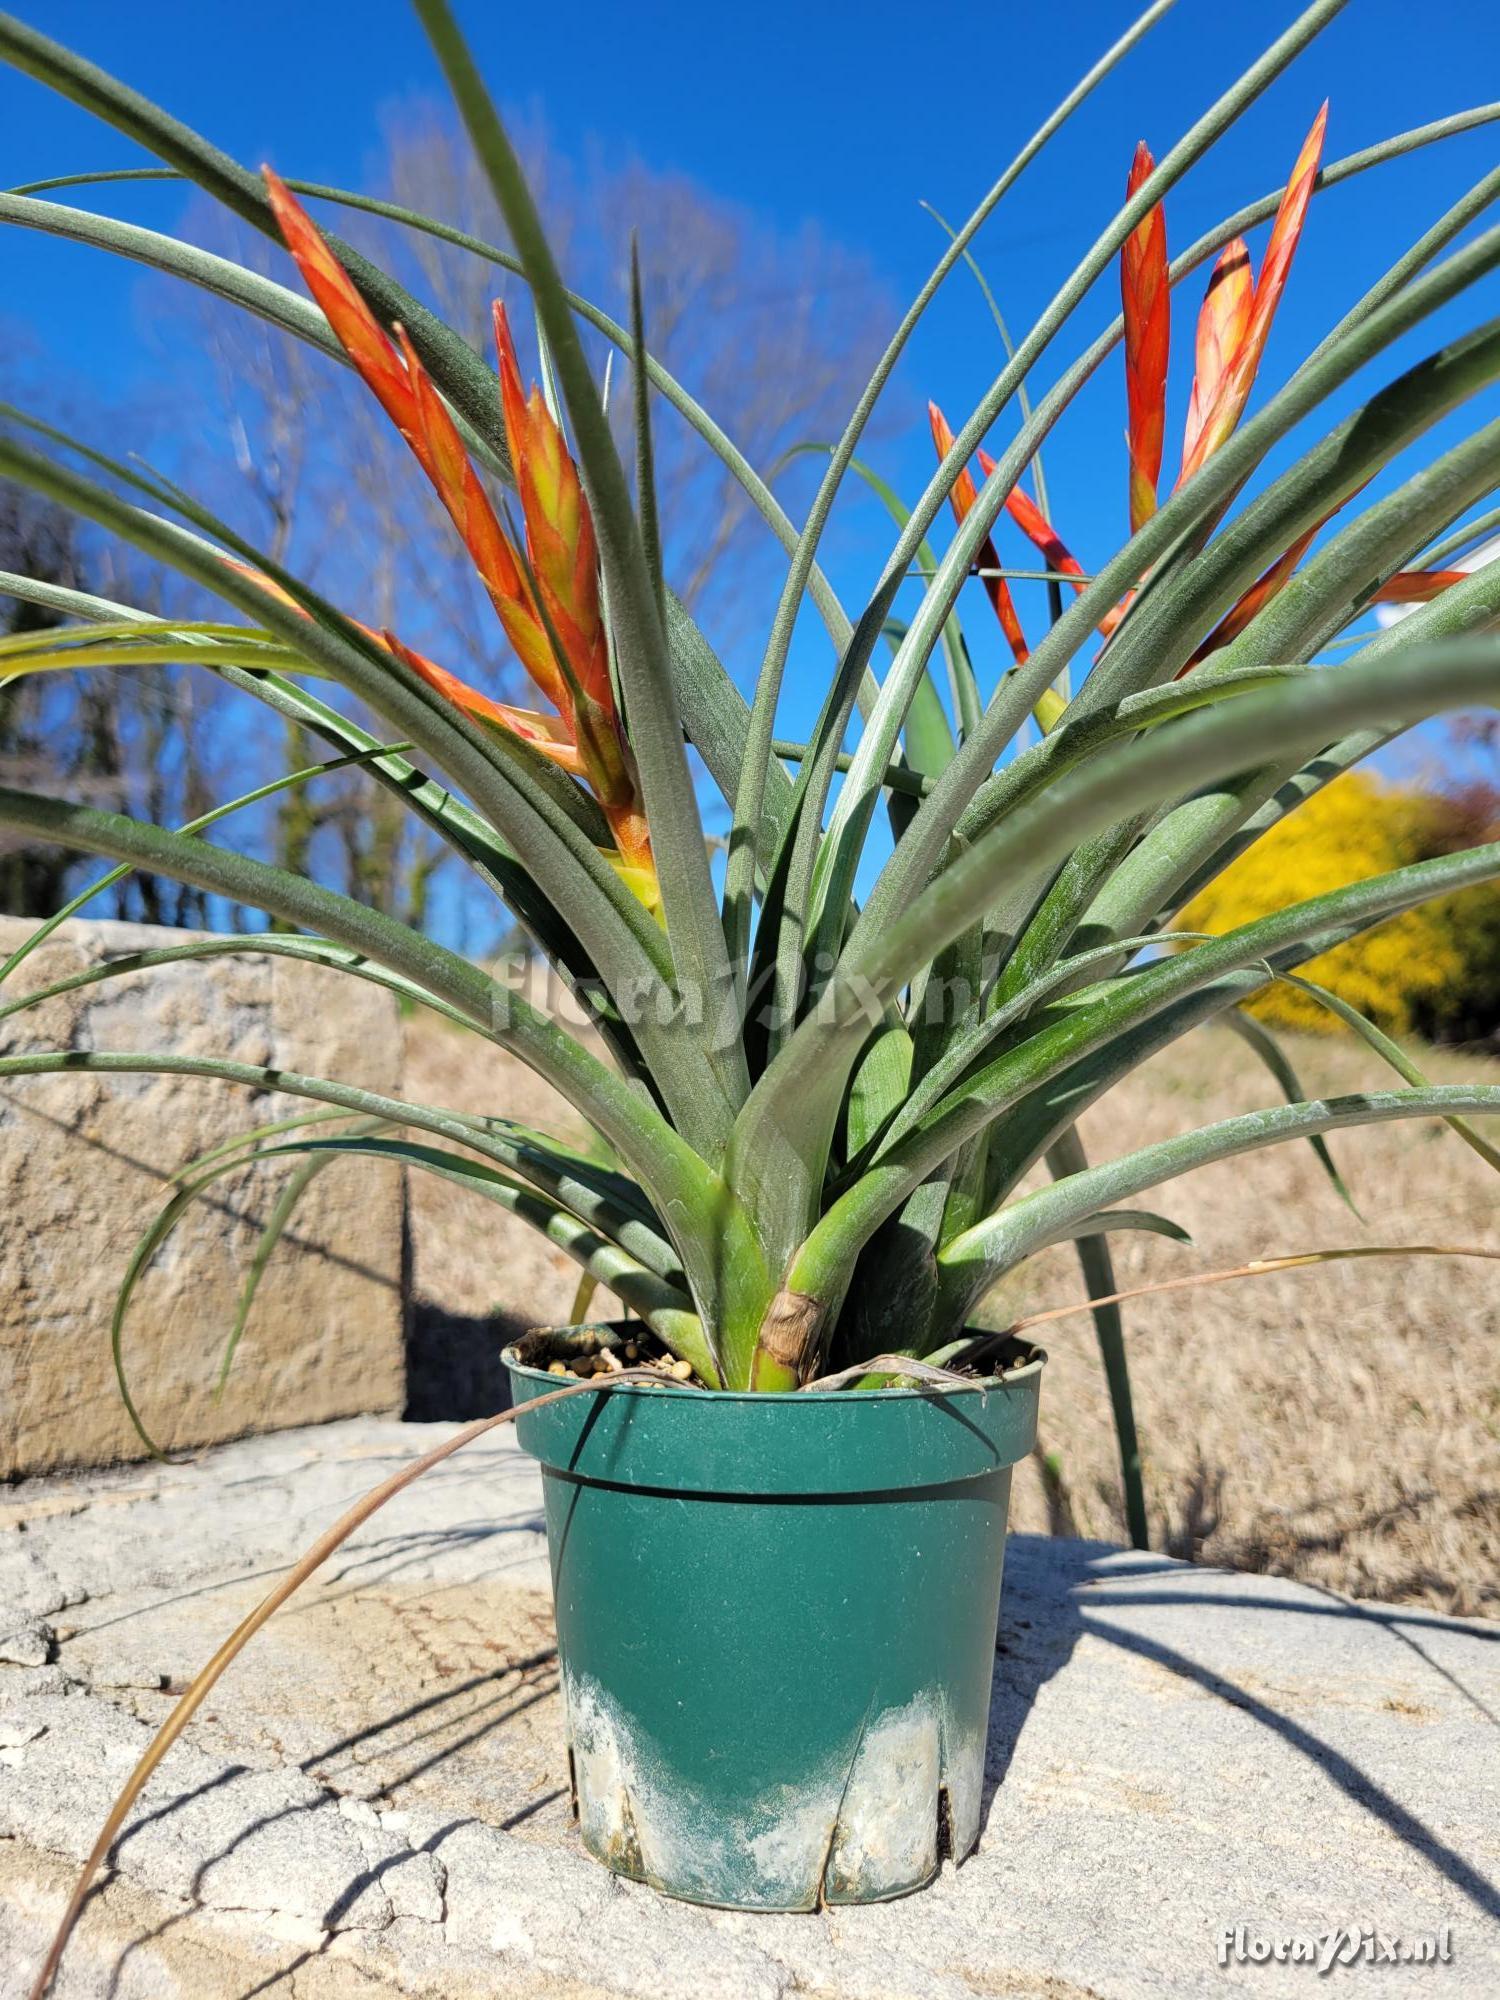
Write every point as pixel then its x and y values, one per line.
pixel 1433 970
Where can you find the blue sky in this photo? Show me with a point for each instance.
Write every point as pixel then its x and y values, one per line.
pixel 842 114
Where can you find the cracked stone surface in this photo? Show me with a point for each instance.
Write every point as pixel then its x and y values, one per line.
pixel 375 1799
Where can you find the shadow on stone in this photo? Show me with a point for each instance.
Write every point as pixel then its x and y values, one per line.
pixel 1054 1595
pixel 453 1367
pixel 1039 1626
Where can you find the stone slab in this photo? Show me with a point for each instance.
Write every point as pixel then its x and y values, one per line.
pixel 85 1162
pixel 375 1799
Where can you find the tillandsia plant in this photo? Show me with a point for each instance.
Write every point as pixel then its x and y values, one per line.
pixel 822 1108
pixel 824 1089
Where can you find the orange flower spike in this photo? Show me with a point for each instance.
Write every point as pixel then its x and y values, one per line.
pixel 359 333
pixel 1408 586
pixel 585 739
pixel 1038 530
pixel 564 559
pixel 1223 321
pixel 546 733
pixel 409 398
pixel 963 492
pixel 1417 586
pixel 1221 411
pixel 559 527
pixel 962 497
pixel 1146 297
pixel 458 486
pixel 1286 230
pixel 1254 601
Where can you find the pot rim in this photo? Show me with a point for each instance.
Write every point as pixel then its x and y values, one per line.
pixel 689 1392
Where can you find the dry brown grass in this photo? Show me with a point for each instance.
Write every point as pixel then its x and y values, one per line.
pixel 1340 1425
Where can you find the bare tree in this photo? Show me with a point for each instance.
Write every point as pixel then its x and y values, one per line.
pixel 134 745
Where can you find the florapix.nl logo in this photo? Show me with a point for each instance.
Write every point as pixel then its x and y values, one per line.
pixel 1335 1948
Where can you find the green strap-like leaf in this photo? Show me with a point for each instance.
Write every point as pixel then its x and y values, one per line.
pixel 647 1251
pixel 666 1309
pixel 640 644
pixel 965 1050
pixel 898 777
pixel 782 1133
pixel 626 1119
pixel 1164 764
pixel 1391 1052
pixel 707 1231
pixel 246 1142
pixel 457 369
pixel 1199 837
pixel 999 1242
pixel 854 666
pixel 879 1087
pixel 596 1193
pixel 517 789
pixel 663 1306
pixel 1065 1158
pixel 287 1202
pixel 1099 1035
pixel 1452 223
pixel 1472 531
pixel 1257 1036
pixel 454 822
pixel 45 929
pixel 1109 1220
pixel 316 950
pixel 277 305
pixel 645 457
pixel 1030 1093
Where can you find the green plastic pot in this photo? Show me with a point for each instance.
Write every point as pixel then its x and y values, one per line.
pixel 776 1627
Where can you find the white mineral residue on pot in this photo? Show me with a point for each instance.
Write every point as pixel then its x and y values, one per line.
pixel 790 1852
pixel 963 1778
pixel 887 1830
pixel 600 1769
pixel 628 1809
pixel 873 1823
pixel 632 1813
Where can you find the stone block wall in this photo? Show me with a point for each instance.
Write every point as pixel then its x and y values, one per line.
pixel 85 1163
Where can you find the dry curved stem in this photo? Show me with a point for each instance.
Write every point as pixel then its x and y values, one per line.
pixel 891 1364
pixel 1258 1267
pixel 246 1630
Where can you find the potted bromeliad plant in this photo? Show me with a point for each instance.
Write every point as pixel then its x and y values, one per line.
pixel 783 1483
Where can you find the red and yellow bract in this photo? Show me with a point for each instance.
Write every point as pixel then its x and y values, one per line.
pixel 1146 297
pixel 1236 319
pixel 1234 324
pixel 548 604
pixel 962 497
